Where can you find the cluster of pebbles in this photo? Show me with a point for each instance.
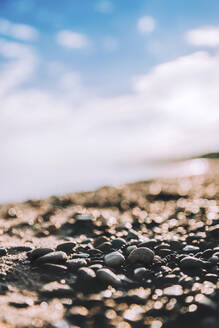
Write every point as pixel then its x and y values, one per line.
pixel 140 255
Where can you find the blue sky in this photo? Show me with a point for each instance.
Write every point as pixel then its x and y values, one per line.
pixel 89 90
pixel 110 71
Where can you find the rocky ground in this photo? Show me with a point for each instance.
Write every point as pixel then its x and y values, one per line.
pixel 139 255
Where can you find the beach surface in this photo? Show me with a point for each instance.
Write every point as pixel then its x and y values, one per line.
pixel 144 254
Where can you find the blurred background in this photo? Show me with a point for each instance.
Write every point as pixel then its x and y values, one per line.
pixel 104 92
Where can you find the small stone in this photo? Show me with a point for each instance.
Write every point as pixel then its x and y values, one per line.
pixel 190 249
pixel 2 251
pixel 214 259
pixel 74 264
pixel 171 278
pixel 20 249
pixel 55 269
pixel 38 252
pixel 132 235
pixel 164 252
pixel 175 290
pixel 214 231
pixel 66 247
pixel 141 273
pixel 83 218
pixel 105 247
pixel 54 257
pixel 208 253
pixel 191 263
pixel 86 273
pixel 148 243
pixel 100 240
pixel 142 254
pixel 211 277
pixel 216 254
pixel 95 252
pixel 81 255
pixel 114 259
pixel 129 249
pixel 117 243
pixel 107 276
pixel 96 267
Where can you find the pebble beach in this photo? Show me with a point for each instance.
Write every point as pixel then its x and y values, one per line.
pixel 144 254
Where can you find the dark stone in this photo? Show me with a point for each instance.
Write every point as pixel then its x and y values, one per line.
pixel 54 257
pixel 38 252
pixel 66 247
pixel 118 243
pixel 3 251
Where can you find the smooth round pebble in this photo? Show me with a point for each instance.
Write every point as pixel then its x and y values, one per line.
pixel 140 273
pixel 109 277
pixel 114 259
pixel 190 262
pixel 117 243
pixel 142 254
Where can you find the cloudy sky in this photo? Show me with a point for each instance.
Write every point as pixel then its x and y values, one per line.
pixel 91 89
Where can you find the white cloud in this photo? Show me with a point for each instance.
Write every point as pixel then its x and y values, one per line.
pixel 205 36
pixel 55 141
pixel 18 31
pixel 71 39
pixel 146 24
pixel 104 7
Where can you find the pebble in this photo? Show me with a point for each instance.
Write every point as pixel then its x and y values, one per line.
pixel 74 264
pixel 141 273
pixel 216 254
pixel 105 247
pixel 81 255
pixel 95 252
pixel 100 240
pixel 66 247
pixel 148 243
pixel 54 257
pixel 2 251
pixel 211 277
pixel 132 235
pixel 86 273
pixel 107 276
pixel 34 254
pixel 190 249
pixel 83 218
pixel 54 268
pixel 191 263
pixel 117 243
pixel 142 254
pixel 96 267
pixel 129 249
pixel 164 252
pixel 114 259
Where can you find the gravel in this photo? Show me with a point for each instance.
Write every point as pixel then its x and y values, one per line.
pixel 118 257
